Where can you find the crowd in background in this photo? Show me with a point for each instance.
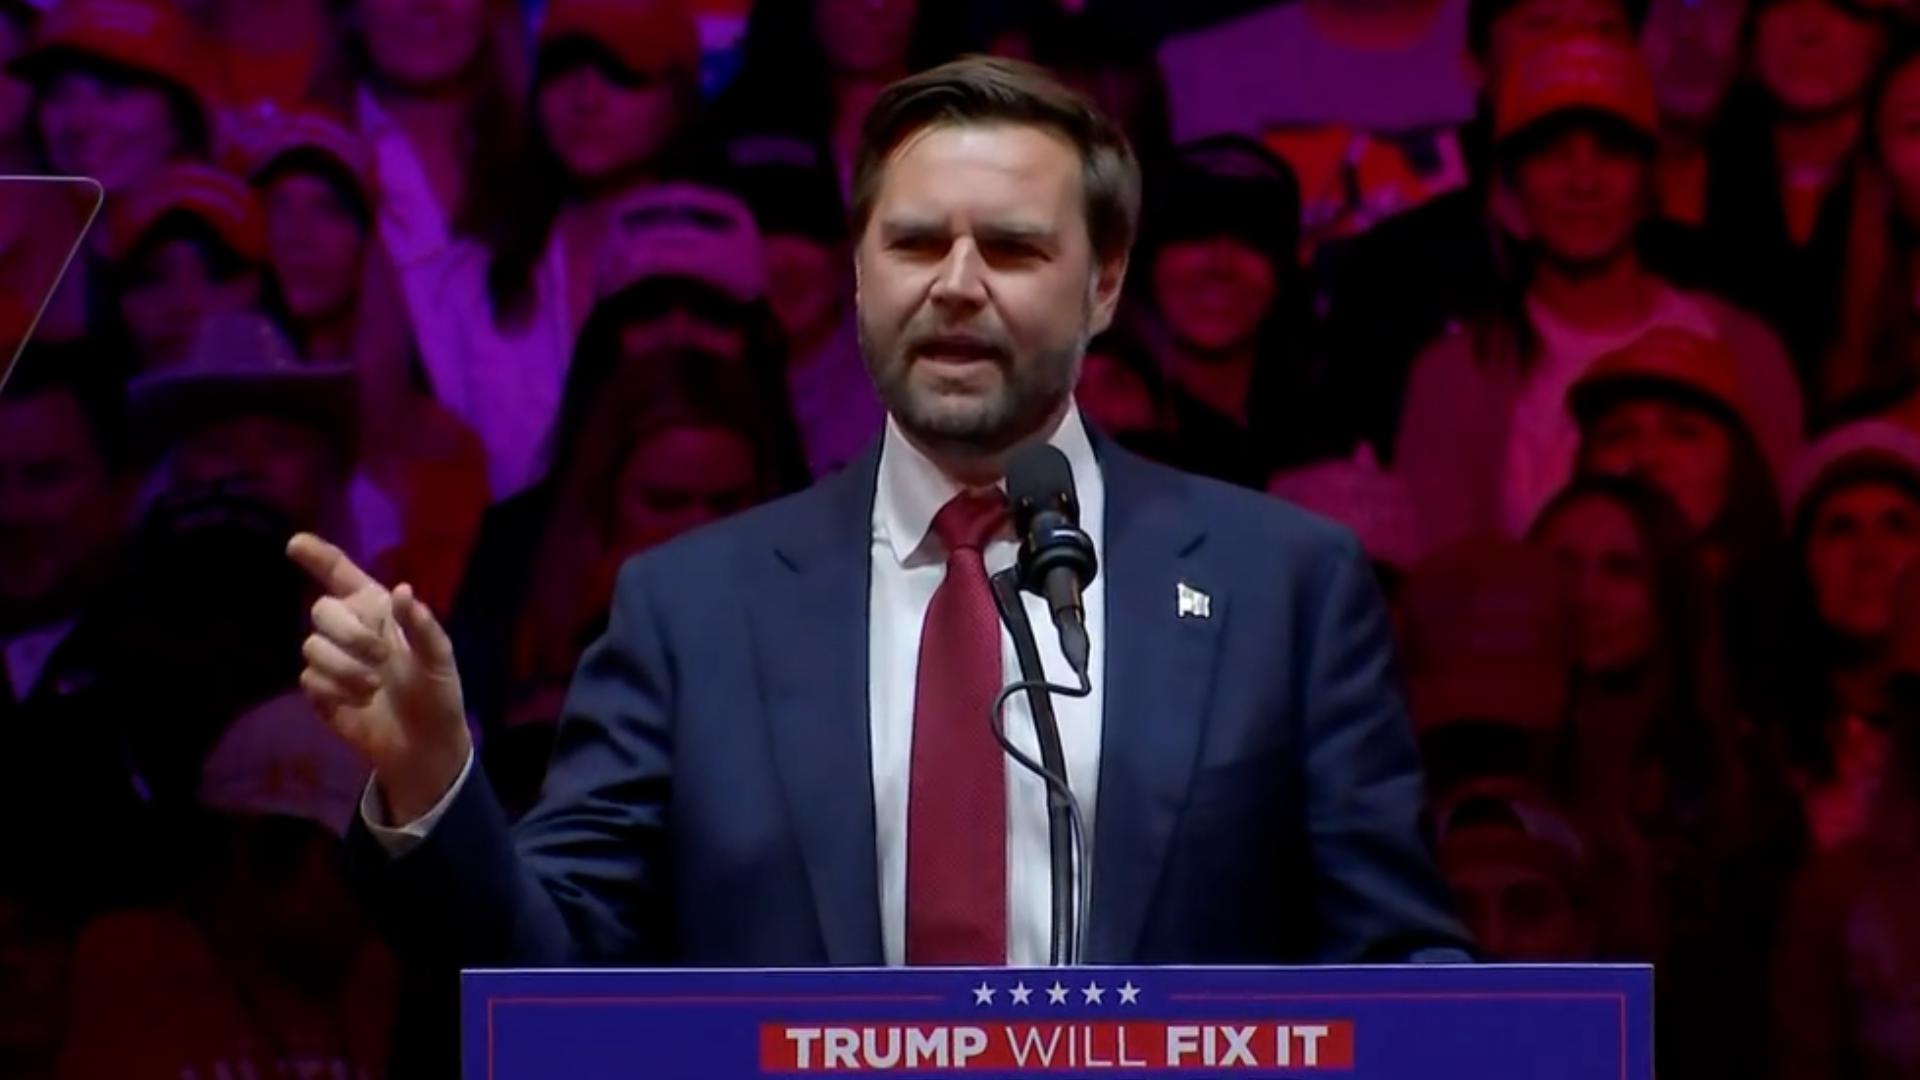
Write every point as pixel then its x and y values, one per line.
pixel 1598 321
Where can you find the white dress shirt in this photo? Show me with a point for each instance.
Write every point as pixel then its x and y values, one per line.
pixel 907 568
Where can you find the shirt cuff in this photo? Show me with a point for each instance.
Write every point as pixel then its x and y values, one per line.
pixel 400 839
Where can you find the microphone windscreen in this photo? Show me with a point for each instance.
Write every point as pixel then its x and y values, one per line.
pixel 1038 477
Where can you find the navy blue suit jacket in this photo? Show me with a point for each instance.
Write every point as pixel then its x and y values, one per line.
pixel 710 799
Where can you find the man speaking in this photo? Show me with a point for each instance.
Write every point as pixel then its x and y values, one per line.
pixel 780 752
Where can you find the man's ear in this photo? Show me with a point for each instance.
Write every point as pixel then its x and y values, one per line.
pixel 1109 279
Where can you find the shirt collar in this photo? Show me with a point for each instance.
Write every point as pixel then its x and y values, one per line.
pixel 912 489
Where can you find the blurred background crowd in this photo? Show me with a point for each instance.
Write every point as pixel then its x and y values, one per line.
pixel 1597 320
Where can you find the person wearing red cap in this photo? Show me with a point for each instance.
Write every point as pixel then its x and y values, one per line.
pixel 1485 436
pixel 1669 409
pixel 1856 529
pixel 185 246
pixel 314 179
pixel 1387 302
pixel 120 89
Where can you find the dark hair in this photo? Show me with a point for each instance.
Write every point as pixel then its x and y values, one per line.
pixel 540 184
pixel 1750 538
pixel 183 105
pixel 96 383
pixel 1688 730
pixel 1085 46
pixel 982 90
pixel 222 261
pixel 598 353
pixel 324 167
pixel 1482 14
pixel 783 83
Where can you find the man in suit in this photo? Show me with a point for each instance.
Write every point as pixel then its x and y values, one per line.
pixel 779 753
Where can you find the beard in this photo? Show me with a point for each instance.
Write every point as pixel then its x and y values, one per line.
pixel 982 410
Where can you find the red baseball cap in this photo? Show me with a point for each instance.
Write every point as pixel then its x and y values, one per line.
pixel 1664 356
pixel 649 37
pixel 153 37
pixel 214 196
pixel 263 137
pixel 1577 73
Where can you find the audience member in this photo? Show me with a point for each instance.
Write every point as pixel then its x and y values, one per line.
pixel 613 106
pixel 67 484
pixel 1653 742
pixel 1693 48
pixel 1362 99
pixel 1522 874
pixel 1485 438
pixel 803 231
pixel 437 91
pixel 1218 262
pixel 1417 274
pixel 1784 186
pixel 684 268
pixel 243 413
pixel 315 184
pixel 1846 967
pixel 1670 410
pixel 121 88
pixel 1855 502
pixel 266 967
pixel 186 246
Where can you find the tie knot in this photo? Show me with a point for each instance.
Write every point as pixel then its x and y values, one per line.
pixel 970 520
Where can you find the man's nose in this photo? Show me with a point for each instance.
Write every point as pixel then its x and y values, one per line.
pixel 961 282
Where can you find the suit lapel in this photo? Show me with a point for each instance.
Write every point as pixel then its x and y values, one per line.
pixel 1159 669
pixel 810 640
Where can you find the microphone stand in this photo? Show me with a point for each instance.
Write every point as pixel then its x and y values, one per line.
pixel 1066 826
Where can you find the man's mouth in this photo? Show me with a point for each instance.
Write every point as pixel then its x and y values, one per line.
pixel 956 349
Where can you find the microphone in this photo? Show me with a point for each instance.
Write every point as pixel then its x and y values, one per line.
pixel 1056 557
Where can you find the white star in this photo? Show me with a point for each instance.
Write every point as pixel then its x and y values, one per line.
pixel 1020 993
pixel 1129 993
pixel 1092 993
pixel 1056 994
pixel 983 994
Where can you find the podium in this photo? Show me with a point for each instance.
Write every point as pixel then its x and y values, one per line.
pixel 1426 1022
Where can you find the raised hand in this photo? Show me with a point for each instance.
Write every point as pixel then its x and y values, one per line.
pixel 380 671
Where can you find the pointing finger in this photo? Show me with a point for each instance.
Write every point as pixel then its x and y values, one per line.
pixel 328 565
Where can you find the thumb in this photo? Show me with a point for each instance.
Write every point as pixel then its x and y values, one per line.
pixel 423 632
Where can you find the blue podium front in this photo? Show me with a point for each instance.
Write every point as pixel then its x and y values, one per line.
pixel 1367 1023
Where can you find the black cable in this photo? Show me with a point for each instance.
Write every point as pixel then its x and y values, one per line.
pixel 1065 948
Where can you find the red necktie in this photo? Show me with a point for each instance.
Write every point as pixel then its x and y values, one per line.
pixel 957 789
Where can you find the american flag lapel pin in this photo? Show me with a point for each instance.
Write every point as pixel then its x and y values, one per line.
pixel 1191 603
